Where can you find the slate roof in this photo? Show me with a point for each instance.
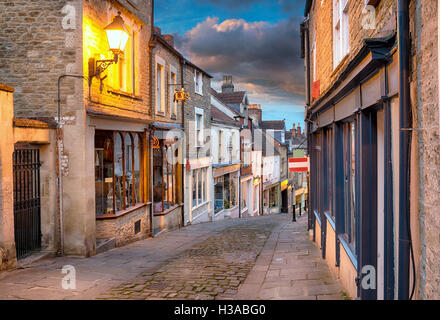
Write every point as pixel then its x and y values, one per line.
pixel 218 115
pixel 232 99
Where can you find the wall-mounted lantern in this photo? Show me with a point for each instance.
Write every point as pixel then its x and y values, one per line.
pixel 117 37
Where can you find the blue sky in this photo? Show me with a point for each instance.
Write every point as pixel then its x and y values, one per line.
pixel 257 41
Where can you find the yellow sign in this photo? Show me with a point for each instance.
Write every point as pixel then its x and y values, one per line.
pixel 181 95
pixel 284 184
pixel 256 181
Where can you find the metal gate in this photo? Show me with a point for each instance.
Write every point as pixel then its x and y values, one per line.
pixel 27 200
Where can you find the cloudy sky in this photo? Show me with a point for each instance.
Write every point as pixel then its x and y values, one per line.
pixel 257 41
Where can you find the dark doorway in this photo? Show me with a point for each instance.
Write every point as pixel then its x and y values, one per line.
pixel 284 202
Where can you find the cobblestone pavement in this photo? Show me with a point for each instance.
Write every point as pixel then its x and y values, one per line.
pixel 255 258
pixel 212 269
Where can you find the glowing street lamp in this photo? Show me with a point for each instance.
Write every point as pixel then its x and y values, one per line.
pixel 117 37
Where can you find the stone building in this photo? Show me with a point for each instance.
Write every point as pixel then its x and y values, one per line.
pixel 60 49
pixel 238 101
pixel 168 133
pixel 372 117
pixel 277 130
pixel 225 146
pixel 197 148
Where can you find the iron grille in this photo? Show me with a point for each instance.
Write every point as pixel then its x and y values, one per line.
pixel 27 206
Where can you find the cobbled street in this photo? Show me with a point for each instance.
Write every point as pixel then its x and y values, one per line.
pixel 256 258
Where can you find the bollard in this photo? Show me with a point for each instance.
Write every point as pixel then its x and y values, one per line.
pixel 294 213
pixel 300 207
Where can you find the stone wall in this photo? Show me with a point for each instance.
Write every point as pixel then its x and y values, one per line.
pixel 110 98
pixel 425 160
pixel 321 24
pixel 7 241
pixel 38 44
pixel 171 60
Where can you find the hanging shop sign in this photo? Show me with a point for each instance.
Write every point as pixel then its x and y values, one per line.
pixel 299 164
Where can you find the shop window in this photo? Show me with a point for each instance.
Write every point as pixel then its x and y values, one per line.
pixel 231 187
pixel 164 176
pixel 219 194
pixel 273 197
pixel 244 195
pixel 199 195
pixel 118 182
pixel 350 195
pixel 328 172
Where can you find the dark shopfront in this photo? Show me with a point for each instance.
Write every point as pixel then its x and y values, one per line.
pixel 354 153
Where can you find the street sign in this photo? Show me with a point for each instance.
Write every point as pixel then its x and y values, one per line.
pixel 299 165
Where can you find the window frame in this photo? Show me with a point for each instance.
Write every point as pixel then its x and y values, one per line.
pixel 195 176
pixel 198 82
pixel 170 197
pixel 341 31
pixel 161 103
pixel 199 113
pixel 172 89
pixel 142 200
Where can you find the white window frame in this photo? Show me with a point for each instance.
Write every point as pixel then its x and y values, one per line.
pixel 199 112
pixel 172 89
pixel 198 82
pixel 341 35
pixel 195 175
pixel 160 107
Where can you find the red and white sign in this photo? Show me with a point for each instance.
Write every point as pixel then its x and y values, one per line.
pixel 299 165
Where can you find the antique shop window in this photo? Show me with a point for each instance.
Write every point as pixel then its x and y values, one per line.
pixel 164 176
pixel 118 184
pixel 340 31
pixel 199 187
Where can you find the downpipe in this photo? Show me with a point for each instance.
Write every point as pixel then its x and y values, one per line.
pixel 405 151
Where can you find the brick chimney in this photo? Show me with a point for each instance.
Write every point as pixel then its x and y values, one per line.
pixel 157 31
pixel 255 112
pixel 293 130
pixel 299 133
pixel 169 39
pixel 228 86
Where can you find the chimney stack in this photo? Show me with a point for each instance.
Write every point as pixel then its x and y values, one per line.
pixel 299 130
pixel 157 31
pixel 228 86
pixel 293 130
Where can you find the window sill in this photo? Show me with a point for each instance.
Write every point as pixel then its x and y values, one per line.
pixel 348 249
pixel 340 64
pixel 124 94
pixel 160 113
pixel 330 220
pixel 199 93
pixel 167 211
pixel 199 206
pixel 122 212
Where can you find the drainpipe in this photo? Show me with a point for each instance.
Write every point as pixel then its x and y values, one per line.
pixel 405 151
pixel 151 46
pixel 182 63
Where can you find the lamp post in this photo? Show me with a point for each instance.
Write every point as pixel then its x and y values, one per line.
pixel 117 37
